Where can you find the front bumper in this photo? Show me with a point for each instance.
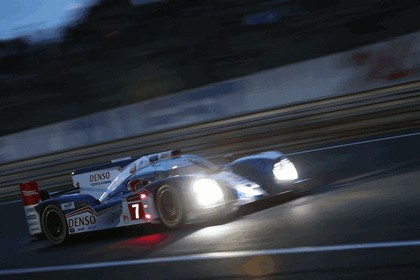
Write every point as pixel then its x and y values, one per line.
pixel 230 207
pixel 300 186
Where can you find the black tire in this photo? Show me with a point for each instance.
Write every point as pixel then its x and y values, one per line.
pixel 170 207
pixel 54 225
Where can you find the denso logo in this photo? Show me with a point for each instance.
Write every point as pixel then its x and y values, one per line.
pixel 81 221
pixel 29 193
pixel 99 176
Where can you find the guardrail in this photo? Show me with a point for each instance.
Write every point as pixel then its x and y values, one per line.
pixel 287 129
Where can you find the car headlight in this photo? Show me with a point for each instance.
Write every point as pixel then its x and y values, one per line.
pixel 284 170
pixel 207 192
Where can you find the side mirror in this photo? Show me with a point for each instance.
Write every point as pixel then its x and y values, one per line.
pixel 136 184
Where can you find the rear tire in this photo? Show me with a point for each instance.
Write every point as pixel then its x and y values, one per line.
pixel 170 207
pixel 54 225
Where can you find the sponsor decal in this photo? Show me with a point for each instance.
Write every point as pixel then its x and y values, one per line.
pixel 72 230
pixel 99 177
pixel 101 183
pixel 32 219
pixel 67 206
pixel 388 62
pixel 81 221
pixel 29 193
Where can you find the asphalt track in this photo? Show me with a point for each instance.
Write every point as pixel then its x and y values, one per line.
pixel 362 221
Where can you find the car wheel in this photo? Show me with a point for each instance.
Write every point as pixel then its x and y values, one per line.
pixel 54 225
pixel 170 207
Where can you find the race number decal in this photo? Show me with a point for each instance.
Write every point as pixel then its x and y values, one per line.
pixel 136 210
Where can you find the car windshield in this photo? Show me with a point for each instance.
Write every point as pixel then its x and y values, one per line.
pixel 127 171
pixel 117 182
pixel 187 164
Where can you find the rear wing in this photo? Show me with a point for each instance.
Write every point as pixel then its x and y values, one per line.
pixel 95 180
pixel 31 197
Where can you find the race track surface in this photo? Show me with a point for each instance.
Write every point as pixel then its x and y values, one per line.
pixel 359 225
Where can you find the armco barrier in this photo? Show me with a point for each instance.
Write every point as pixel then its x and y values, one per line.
pixel 288 129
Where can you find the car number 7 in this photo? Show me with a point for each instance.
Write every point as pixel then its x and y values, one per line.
pixel 135 211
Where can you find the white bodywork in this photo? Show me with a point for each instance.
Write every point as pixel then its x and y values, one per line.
pixel 96 182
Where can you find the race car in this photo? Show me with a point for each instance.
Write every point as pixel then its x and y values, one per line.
pixel 168 188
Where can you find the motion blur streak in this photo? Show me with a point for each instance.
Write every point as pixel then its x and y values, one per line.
pixel 11 202
pixel 357 143
pixel 219 255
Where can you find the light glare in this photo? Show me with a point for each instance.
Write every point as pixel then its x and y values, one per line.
pixel 207 192
pixel 285 170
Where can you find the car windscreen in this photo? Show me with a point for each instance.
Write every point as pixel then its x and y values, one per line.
pixel 191 165
pixel 125 173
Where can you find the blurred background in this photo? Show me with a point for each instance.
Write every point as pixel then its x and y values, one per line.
pixel 61 60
